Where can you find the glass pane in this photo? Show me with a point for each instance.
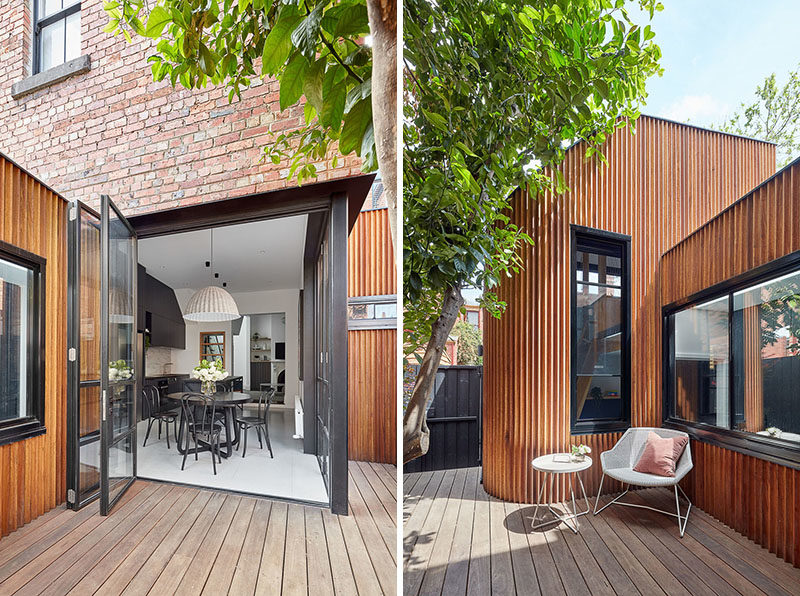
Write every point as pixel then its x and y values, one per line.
pixel 361 311
pixel 120 466
pixel 386 311
pixel 599 397
pixel 598 268
pixel 16 283
pixel 702 364
pixel 90 297
pixel 89 462
pixel 52 49
pixel 121 315
pixel 48 7
pixel 121 401
pixel 598 319
pixel 766 330
pixel 73 34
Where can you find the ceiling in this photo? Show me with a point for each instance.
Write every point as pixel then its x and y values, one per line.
pixel 264 255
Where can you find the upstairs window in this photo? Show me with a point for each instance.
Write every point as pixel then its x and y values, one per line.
pixel 600 331
pixel 57 33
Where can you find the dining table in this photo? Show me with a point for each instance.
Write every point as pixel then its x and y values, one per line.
pixel 226 402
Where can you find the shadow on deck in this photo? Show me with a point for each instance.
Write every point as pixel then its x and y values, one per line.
pixel 459 540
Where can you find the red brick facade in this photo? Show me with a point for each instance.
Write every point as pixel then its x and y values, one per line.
pixel 113 130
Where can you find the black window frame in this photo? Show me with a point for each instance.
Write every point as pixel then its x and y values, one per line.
pixel 39 24
pixel 586 237
pixel 33 424
pixel 748 443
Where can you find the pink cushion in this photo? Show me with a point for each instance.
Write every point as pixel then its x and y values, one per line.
pixel 660 455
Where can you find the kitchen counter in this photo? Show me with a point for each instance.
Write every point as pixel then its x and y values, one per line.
pixel 170 376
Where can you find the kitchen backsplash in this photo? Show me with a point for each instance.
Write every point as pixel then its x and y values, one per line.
pixel 158 361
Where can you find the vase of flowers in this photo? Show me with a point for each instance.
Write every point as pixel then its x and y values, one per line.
pixel 118 370
pixel 208 373
pixel 579 452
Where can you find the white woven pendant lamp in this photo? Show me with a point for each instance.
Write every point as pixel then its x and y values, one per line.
pixel 212 303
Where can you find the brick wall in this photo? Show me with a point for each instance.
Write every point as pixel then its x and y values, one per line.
pixel 113 130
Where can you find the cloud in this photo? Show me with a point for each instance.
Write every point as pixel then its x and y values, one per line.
pixel 697 109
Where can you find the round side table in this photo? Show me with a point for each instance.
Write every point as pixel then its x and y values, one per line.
pixel 553 465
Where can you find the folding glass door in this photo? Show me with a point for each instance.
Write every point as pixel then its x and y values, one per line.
pixel 101 440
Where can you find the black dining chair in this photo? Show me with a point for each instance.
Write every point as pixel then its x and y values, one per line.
pixel 153 411
pixel 260 422
pixel 202 424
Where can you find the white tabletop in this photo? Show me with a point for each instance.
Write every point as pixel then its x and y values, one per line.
pixel 545 463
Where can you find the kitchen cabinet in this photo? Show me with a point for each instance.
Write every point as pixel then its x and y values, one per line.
pixel 159 313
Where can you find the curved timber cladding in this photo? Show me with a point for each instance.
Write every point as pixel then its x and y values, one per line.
pixel 758 498
pixel 33 471
pixel 661 184
pixel 372 353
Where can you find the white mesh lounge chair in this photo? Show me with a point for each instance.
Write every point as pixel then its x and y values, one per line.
pixel 618 464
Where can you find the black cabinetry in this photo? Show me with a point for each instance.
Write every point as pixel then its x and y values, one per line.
pixel 160 316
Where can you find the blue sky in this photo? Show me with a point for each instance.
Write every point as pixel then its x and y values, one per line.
pixel 716 52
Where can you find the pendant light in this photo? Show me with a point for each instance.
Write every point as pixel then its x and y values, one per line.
pixel 212 303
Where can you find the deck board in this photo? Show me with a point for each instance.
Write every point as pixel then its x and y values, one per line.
pixel 166 539
pixel 492 549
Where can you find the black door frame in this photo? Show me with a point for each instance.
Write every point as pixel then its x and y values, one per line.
pixel 341 202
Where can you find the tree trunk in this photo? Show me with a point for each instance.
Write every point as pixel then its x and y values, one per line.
pixel 416 436
pixel 383 28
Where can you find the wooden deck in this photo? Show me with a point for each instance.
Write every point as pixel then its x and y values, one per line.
pixel 167 539
pixel 458 540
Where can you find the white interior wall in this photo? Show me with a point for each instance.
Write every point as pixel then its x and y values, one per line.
pixel 277 301
pixel 241 352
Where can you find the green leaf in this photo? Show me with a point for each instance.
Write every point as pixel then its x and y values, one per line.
pixel 353 20
pixel 292 81
pixel 206 61
pixel 355 125
pixel 278 44
pixel 357 93
pixel 306 36
pixel 158 19
pixel 312 87
pixel 437 120
pixel 333 98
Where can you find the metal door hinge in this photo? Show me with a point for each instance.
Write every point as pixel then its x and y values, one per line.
pixel 73 213
pixel 72 354
pixel 71 496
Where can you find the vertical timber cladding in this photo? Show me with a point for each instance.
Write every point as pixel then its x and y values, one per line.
pixel 33 471
pixel 372 375
pixel 661 184
pixel 755 497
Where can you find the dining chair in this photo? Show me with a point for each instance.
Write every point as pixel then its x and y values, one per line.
pixel 152 410
pixel 202 424
pixel 260 422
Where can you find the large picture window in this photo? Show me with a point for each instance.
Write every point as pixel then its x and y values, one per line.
pixel 57 33
pixel 600 331
pixel 21 344
pixel 734 358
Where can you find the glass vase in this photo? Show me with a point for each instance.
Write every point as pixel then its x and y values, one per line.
pixel 208 388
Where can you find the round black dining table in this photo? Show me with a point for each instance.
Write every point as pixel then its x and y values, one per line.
pixel 226 401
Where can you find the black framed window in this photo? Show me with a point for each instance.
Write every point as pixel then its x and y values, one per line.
pixel 21 344
pixel 57 33
pixel 732 366
pixel 372 312
pixel 600 329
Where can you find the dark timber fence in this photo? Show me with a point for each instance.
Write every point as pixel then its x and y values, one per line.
pixel 454 419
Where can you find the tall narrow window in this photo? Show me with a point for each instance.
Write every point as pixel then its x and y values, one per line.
pixel 21 344
pixel 600 331
pixel 57 33
pixel 212 346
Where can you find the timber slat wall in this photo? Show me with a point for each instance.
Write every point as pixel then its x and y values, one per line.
pixel 33 471
pixel 757 498
pixel 372 353
pixel 660 185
